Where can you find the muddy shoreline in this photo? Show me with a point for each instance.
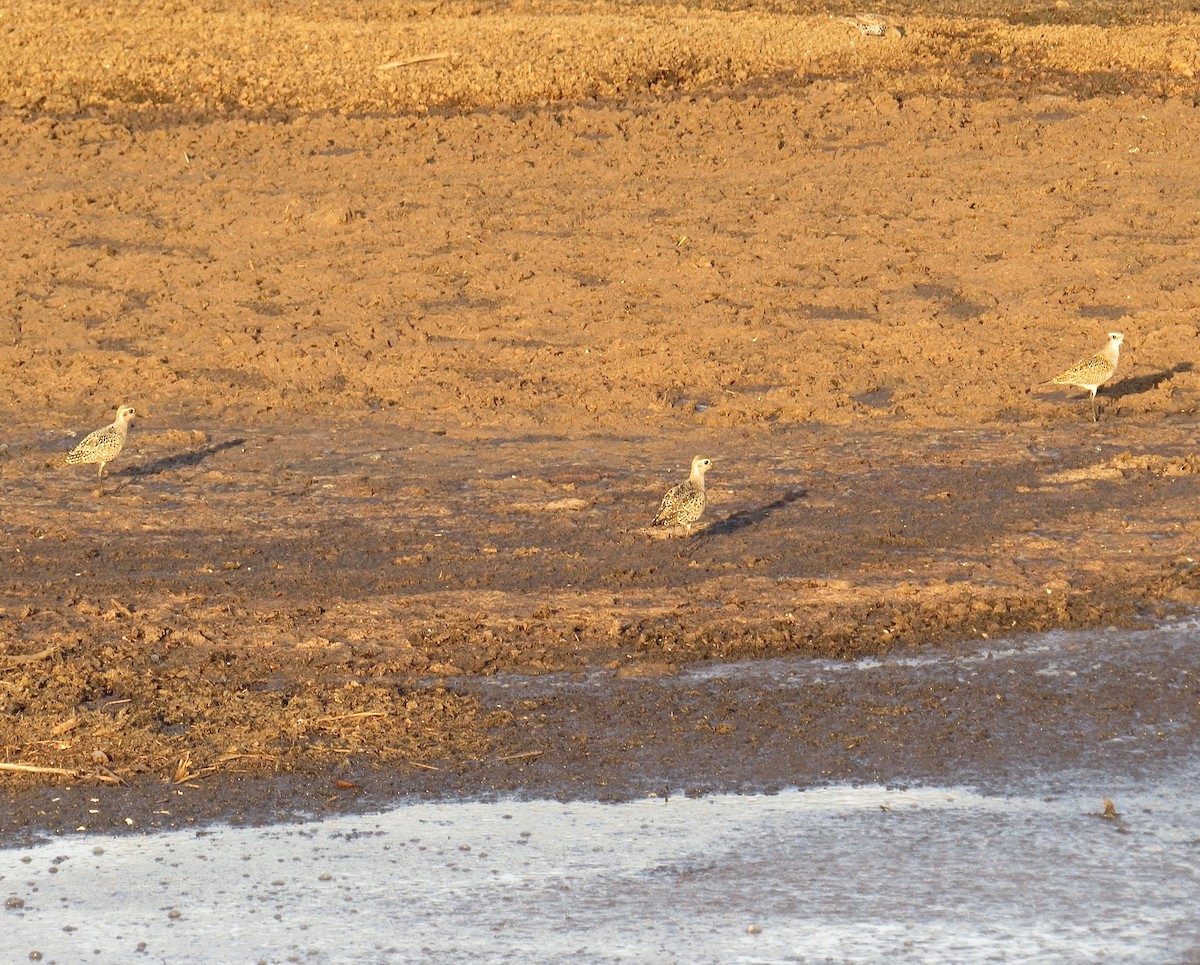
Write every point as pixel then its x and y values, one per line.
pixel 993 718
pixel 418 350
pixel 252 671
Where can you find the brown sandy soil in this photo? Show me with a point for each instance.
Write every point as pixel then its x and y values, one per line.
pixel 418 349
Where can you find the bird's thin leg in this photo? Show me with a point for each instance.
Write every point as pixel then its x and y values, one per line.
pixel 1095 417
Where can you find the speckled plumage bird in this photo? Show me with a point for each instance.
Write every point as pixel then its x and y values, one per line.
pixel 873 25
pixel 104 445
pixel 684 504
pixel 1092 372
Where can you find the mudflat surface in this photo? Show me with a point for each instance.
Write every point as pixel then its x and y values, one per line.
pixel 418 349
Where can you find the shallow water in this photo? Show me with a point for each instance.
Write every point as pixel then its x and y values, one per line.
pixel 865 874
pixel 1029 871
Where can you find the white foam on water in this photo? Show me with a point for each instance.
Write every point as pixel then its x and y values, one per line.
pixel 1058 652
pixel 849 874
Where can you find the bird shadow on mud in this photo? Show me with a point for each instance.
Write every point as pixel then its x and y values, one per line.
pixel 1145 383
pixel 182 460
pixel 752 517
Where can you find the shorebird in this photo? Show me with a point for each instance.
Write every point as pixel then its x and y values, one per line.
pixel 1092 372
pixel 103 445
pixel 684 504
pixel 873 25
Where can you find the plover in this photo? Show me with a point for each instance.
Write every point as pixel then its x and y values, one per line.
pixel 684 504
pixel 873 25
pixel 1092 372
pixel 104 445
